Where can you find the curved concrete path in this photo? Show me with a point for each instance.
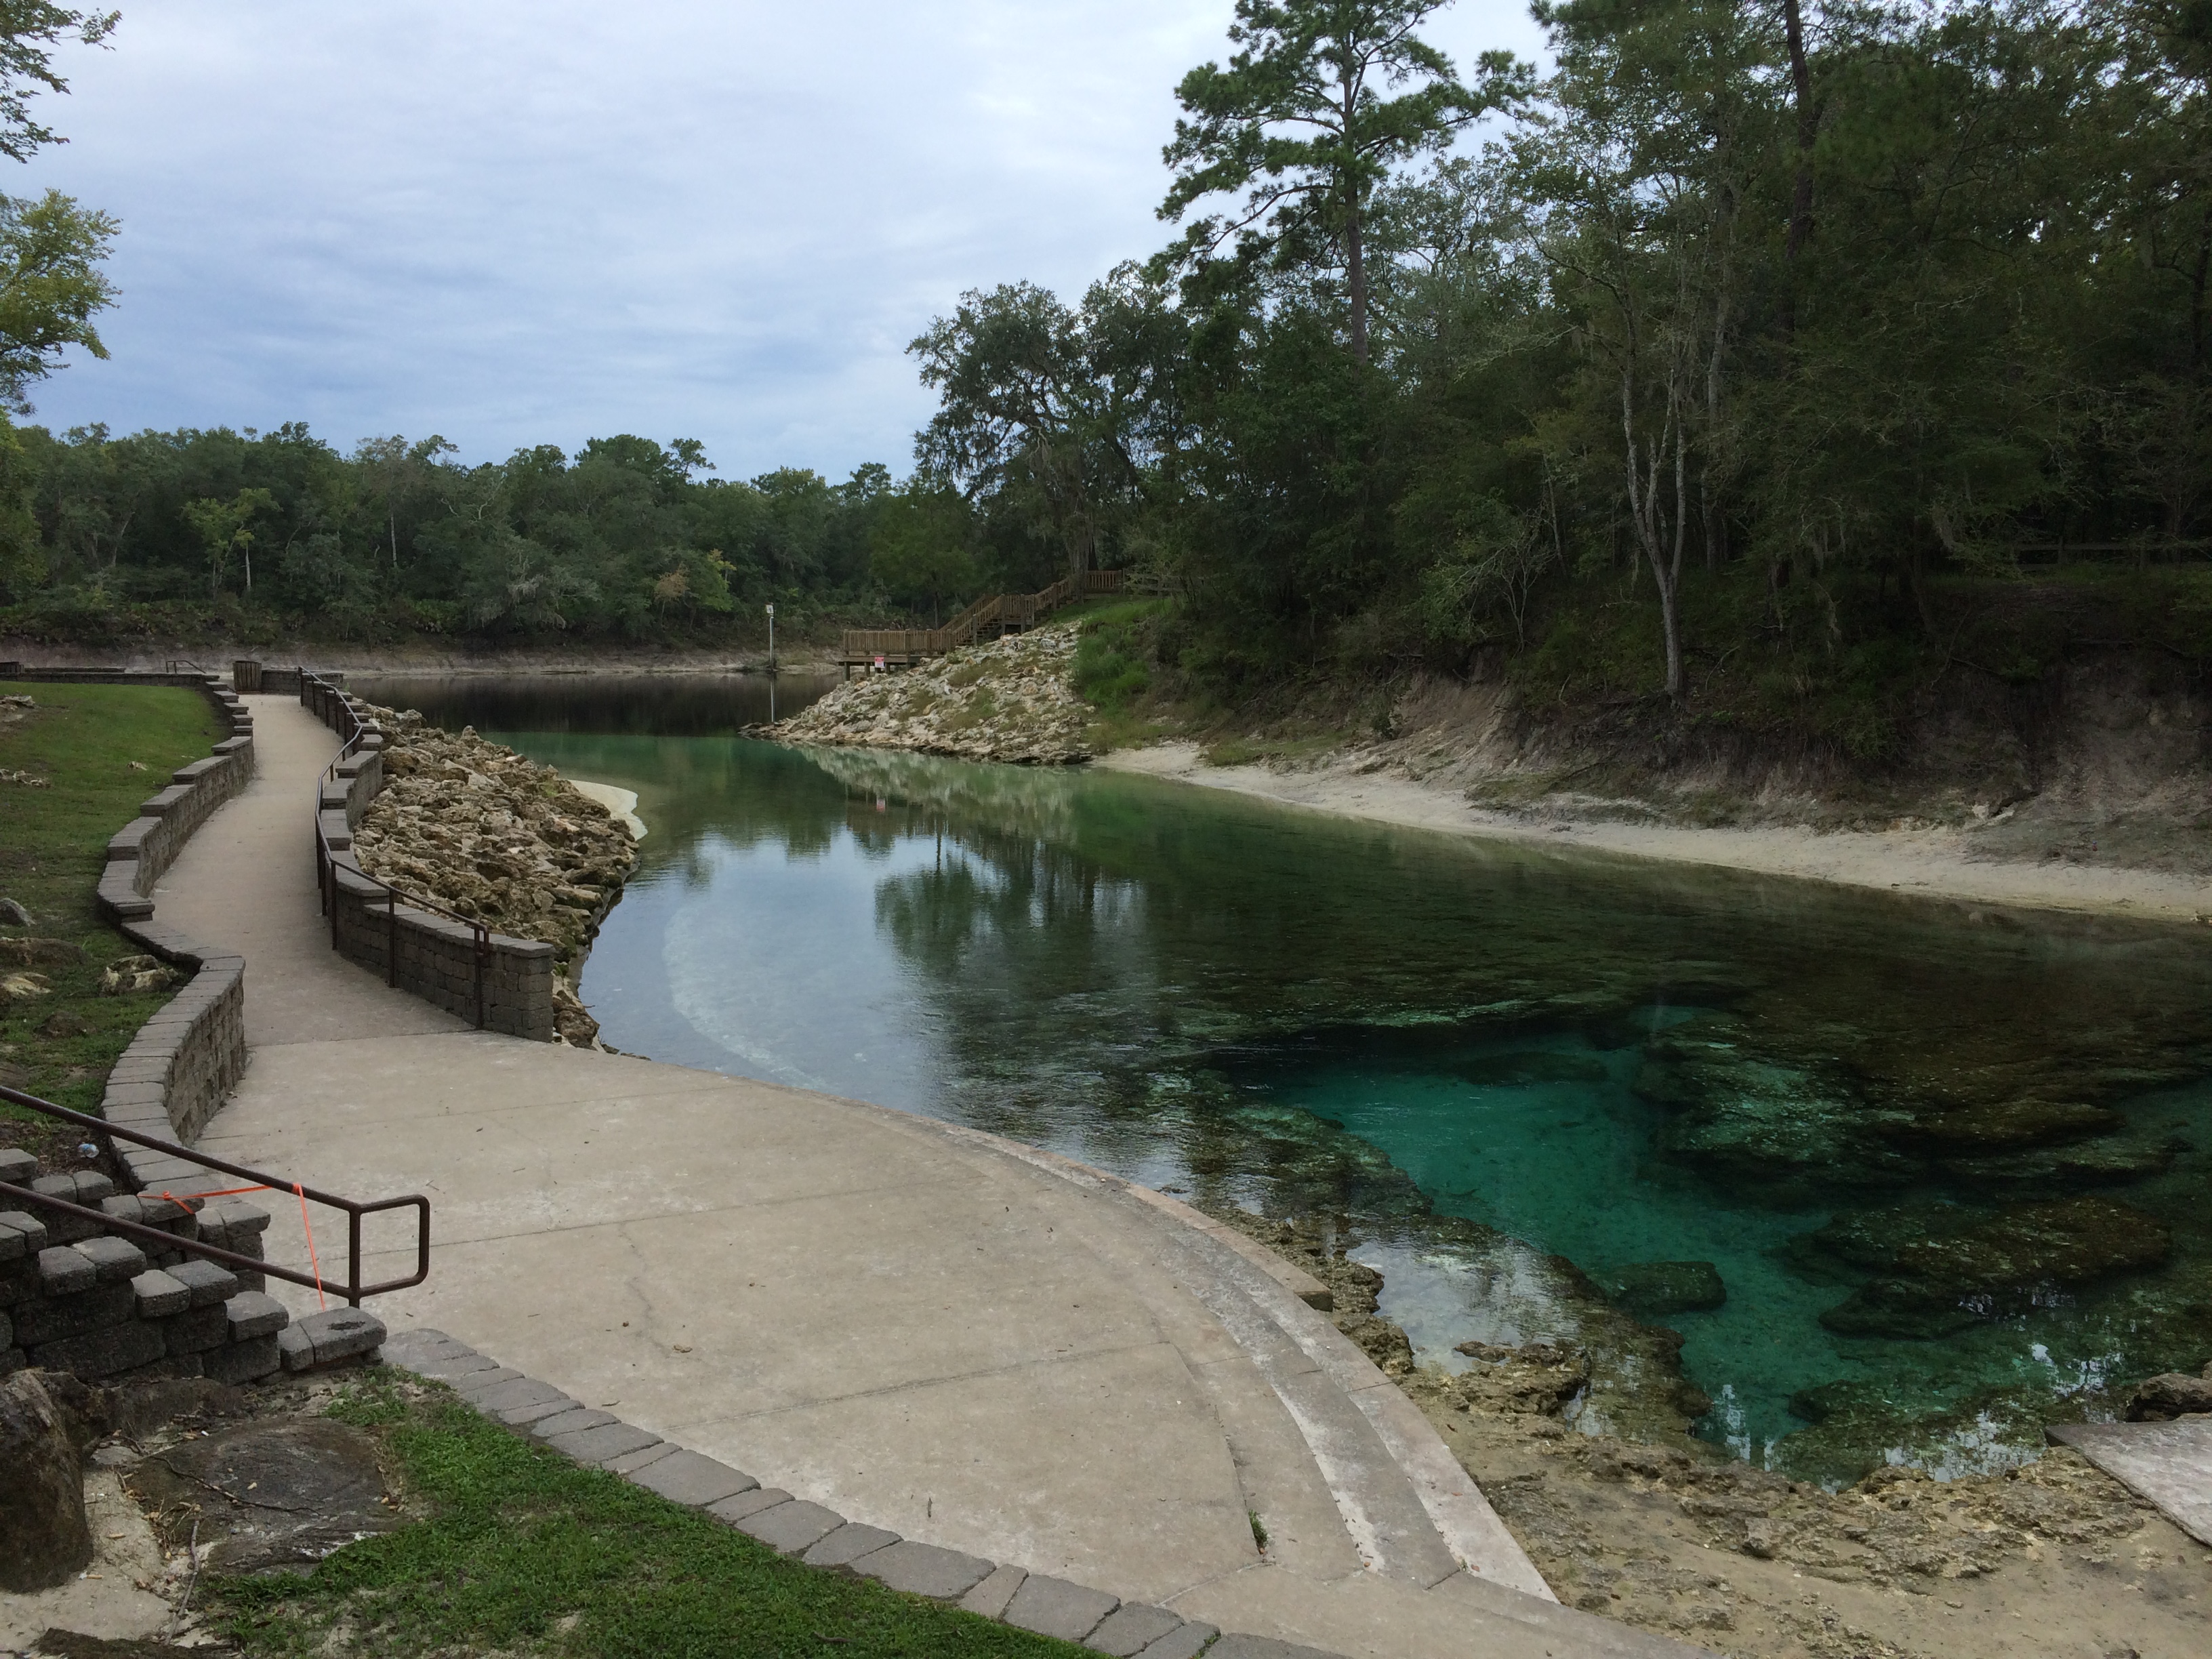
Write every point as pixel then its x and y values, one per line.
pixel 926 1328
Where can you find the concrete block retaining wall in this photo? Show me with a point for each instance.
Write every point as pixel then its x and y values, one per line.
pixel 75 1299
pixel 186 1058
pixel 79 1298
pixel 506 985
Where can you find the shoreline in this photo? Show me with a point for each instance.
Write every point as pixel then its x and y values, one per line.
pixel 401 661
pixel 1936 863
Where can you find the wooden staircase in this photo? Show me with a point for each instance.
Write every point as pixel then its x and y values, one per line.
pixel 986 619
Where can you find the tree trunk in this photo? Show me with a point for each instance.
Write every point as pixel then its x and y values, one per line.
pixel 1808 124
pixel 1710 460
pixel 1800 194
pixel 1644 511
pixel 1668 588
pixel 1355 274
pixel 1917 581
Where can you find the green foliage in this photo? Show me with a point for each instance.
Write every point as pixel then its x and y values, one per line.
pixel 22 555
pixel 1752 365
pixel 920 551
pixel 261 537
pixel 1113 662
pixel 51 287
pixel 50 248
pixel 29 30
pixel 525 1553
pixel 1303 125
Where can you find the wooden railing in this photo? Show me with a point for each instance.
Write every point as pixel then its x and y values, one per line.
pixel 1002 613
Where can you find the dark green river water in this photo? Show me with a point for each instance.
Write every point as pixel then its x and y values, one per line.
pixel 1907 1178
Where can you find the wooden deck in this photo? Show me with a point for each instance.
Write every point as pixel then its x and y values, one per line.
pixel 986 619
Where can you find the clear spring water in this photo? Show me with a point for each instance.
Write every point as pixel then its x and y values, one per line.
pixel 1478 1059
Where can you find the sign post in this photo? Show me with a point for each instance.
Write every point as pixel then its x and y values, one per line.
pixel 771 639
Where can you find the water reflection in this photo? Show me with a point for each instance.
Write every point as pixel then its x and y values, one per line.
pixel 1946 1161
pixel 666 705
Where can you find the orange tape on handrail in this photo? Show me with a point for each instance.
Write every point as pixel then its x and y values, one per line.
pixel 314 1265
pixel 227 1192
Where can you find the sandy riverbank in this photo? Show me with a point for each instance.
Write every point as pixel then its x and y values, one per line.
pixel 1934 863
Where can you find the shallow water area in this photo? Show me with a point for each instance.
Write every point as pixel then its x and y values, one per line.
pixel 1929 1174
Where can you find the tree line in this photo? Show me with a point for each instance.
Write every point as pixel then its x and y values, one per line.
pixel 1765 357
pixel 1760 358
pixel 250 535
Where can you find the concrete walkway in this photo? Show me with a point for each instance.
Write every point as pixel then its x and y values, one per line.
pixel 926 1328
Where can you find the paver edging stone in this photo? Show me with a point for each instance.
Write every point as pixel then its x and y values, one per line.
pixel 821 1538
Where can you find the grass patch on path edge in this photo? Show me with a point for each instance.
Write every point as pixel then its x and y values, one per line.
pixel 521 1550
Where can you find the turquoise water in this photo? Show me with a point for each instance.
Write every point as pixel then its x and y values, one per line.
pixel 1514 1077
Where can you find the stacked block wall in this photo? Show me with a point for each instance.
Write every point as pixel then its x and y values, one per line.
pixel 431 956
pixel 75 1299
pixel 184 1059
pixel 80 1296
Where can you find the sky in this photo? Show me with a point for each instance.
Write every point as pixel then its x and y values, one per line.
pixel 520 221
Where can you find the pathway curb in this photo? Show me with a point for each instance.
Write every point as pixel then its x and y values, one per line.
pixel 820 1537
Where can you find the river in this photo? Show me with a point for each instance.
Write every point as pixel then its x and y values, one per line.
pixel 1907 1178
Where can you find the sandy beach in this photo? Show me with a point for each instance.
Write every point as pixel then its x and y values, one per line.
pixel 1936 863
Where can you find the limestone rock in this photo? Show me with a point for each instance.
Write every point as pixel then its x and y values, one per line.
pixel 1535 1379
pixel 494 836
pixel 141 973
pixel 44 1534
pixel 1003 700
pixel 2161 1399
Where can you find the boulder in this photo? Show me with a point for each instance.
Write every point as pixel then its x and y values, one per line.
pixel 45 1535
pixel 2174 1394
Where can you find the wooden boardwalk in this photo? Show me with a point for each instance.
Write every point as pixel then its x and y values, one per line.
pixel 986 619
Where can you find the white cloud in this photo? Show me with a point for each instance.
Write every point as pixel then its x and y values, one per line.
pixel 519 223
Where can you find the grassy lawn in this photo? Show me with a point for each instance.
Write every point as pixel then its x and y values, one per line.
pixel 523 1553
pixel 82 740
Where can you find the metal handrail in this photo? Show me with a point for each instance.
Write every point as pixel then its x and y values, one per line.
pixel 326 868
pixel 353 1289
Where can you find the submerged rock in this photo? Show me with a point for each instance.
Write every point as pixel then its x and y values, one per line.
pixel 1652 1289
pixel 1751 1120
pixel 1978 1266
pixel 2000 1124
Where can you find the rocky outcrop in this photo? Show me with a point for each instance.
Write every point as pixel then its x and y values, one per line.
pixel 1005 700
pixel 500 839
